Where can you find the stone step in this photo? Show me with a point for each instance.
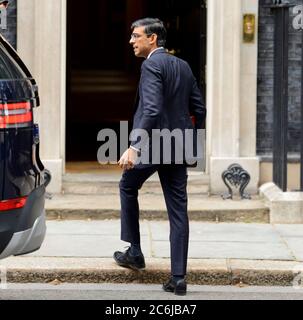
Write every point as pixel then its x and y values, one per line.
pixel 152 207
pixel 105 184
pixel 58 270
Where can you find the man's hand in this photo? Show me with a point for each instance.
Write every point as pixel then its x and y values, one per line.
pixel 128 159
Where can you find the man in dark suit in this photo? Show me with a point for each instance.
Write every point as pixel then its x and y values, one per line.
pixel 167 98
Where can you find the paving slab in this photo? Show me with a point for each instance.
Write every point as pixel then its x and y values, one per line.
pixel 290 230
pixel 230 232
pixel 296 246
pixel 207 240
pixel 85 246
pixel 90 227
pixel 229 250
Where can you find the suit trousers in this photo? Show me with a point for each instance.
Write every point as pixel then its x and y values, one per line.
pixel 173 180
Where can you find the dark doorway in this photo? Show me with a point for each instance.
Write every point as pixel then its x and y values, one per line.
pixel 102 73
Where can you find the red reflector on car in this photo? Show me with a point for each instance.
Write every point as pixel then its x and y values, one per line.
pixel 12 204
pixel 15 115
pixel 15 106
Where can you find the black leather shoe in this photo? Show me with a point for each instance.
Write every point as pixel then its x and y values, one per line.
pixel 126 260
pixel 179 287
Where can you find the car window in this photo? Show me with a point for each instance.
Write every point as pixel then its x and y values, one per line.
pixel 9 69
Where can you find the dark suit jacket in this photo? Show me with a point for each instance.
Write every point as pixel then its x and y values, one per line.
pixel 168 96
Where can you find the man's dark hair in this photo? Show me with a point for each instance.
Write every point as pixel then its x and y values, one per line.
pixel 152 25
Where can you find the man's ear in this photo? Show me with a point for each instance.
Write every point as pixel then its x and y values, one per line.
pixel 153 38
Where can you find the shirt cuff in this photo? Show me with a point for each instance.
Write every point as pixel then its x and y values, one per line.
pixel 135 149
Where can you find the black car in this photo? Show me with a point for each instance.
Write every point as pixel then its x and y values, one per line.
pixel 23 177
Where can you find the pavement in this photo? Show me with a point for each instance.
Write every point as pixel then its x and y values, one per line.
pixel 231 242
pixel 80 251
